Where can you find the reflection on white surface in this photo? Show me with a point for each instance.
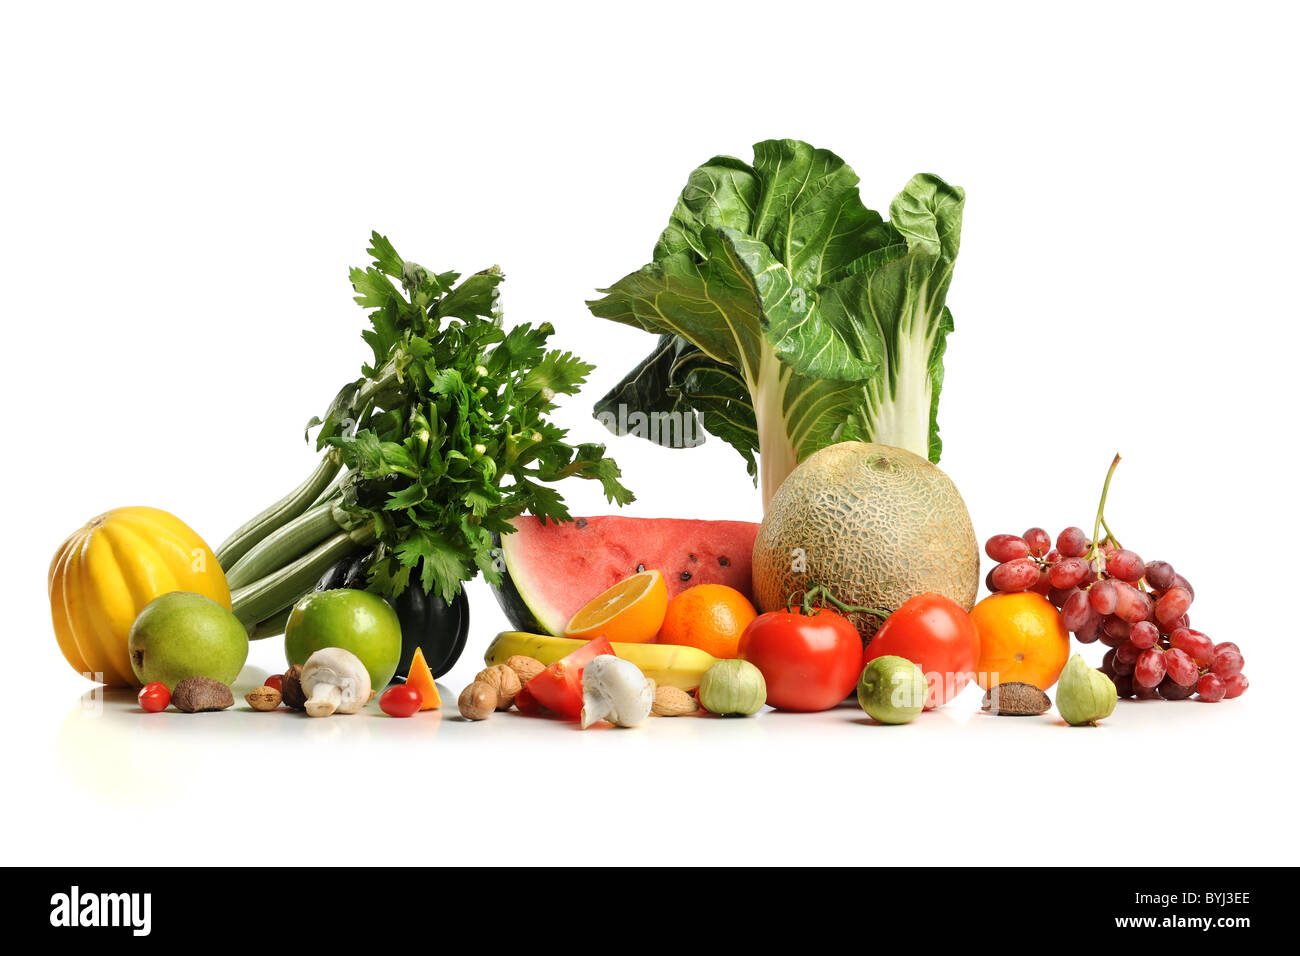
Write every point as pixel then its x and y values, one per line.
pixel 218 786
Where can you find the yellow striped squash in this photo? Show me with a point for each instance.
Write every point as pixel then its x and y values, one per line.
pixel 108 570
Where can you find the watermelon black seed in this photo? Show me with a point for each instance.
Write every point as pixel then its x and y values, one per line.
pixel 640 568
pixel 693 558
pixel 581 522
pixel 686 575
pixel 724 561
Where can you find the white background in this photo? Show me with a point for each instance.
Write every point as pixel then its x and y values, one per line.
pixel 183 192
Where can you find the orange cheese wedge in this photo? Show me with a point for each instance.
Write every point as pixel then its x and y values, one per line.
pixel 421 678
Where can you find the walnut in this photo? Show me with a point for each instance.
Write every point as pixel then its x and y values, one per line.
pixel 478 701
pixel 504 681
pixel 525 667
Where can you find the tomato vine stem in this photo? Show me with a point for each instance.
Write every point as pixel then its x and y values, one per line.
pixel 823 593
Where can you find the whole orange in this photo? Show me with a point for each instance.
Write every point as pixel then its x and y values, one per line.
pixel 708 616
pixel 1022 638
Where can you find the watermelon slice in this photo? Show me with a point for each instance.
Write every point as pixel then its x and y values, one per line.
pixel 552 570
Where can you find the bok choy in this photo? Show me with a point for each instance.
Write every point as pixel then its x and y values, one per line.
pixel 790 315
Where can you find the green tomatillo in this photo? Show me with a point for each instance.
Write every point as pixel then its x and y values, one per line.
pixel 733 688
pixel 892 690
pixel 1084 695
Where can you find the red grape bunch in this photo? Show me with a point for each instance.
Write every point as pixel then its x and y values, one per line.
pixel 1137 609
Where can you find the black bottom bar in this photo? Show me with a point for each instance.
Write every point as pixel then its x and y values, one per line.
pixel 953 906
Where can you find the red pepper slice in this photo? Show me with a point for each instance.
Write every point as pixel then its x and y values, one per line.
pixel 559 687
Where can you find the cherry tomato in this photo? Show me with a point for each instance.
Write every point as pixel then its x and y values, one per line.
pixel 559 687
pixel 938 636
pixel 809 661
pixel 154 697
pixel 401 701
pixel 274 681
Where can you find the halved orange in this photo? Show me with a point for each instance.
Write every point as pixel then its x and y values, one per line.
pixel 632 611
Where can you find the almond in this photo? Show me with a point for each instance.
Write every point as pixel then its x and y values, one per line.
pixel 263 698
pixel 673 702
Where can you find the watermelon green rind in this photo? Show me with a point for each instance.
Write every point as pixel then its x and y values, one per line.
pixel 552 570
pixel 515 603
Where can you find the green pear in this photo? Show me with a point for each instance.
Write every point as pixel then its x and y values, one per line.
pixel 180 635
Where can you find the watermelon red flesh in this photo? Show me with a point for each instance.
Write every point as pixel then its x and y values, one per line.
pixel 552 570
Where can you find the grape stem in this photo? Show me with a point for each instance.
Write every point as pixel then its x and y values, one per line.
pixel 1095 551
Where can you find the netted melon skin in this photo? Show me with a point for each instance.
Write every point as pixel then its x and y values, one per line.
pixel 876 524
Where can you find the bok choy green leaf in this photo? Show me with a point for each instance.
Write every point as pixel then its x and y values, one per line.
pixel 790 315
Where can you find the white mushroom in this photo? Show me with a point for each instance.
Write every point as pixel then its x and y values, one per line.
pixel 615 690
pixel 335 681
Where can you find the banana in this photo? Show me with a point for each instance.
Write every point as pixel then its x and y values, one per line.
pixel 665 664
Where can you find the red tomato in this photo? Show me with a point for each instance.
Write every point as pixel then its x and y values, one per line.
pixel 936 635
pixel 401 701
pixel 809 661
pixel 559 687
pixel 154 697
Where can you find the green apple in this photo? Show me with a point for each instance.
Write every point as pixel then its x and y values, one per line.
pixel 180 635
pixel 356 621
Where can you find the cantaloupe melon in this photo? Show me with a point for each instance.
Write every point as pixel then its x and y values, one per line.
pixel 874 524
